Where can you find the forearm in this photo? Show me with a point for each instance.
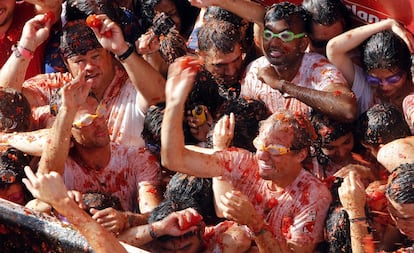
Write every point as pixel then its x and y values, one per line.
pixel 247 9
pixel 351 39
pixel 172 134
pixel 360 234
pixel 57 146
pixel 13 72
pixel 32 143
pixel 339 105
pixel 100 239
pixel 149 82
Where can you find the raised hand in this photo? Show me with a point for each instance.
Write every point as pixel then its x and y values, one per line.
pixel 48 187
pixel 36 31
pixel 223 132
pixel 111 219
pixel 76 91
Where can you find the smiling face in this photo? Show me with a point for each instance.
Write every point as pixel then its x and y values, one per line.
pixel 270 141
pixel 280 53
pixel 99 68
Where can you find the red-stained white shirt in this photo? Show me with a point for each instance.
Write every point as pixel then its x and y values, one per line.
pixel 315 73
pixel 297 213
pixel 125 117
pixel 129 169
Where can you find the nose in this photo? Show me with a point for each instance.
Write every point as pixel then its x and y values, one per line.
pixel 262 155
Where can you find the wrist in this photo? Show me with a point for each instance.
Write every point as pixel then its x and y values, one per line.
pixel 152 231
pixel 125 53
pixel 22 52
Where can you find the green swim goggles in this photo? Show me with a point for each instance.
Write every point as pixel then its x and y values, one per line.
pixel 285 36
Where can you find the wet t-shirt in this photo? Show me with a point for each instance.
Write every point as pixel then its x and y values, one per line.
pixel 129 169
pixel 315 73
pixel 297 213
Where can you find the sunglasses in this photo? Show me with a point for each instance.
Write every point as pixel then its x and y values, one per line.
pixel 273 149
pixel 375 81
pixel 88 119
pixel 285 36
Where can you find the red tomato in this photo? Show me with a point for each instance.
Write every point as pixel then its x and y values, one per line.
pixel 94 22
pixel 194 220
pixel 48 16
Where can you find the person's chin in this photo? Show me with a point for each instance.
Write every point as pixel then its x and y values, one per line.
pixel 265 172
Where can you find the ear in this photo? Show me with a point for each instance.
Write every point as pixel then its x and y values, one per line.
pixel 302 154
pixel 304 42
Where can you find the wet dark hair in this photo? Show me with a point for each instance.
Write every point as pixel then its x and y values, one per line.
pixel 151 133
pixel 248 113
pixel 400 184
pixel 328 130
pixel 15 111
pixel 386 50
pixel 100 201
pixel 218 13
pixel 182 187
pixel 380 124
pixel 218 35
pixel 12 163
pixel 327 12
pixel 294 15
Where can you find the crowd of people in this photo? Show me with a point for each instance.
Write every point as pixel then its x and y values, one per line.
pixel 208 125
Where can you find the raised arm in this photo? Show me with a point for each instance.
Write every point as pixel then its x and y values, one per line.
pixel 57 146
pixel 51 189
pixel 338 47
pixel 247 9
pixel 174 155
pixel 149 82
pixel 353 198
pixel 34 33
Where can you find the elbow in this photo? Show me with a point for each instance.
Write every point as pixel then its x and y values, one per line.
pixel 170 161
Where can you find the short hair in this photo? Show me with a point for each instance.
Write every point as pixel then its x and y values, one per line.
pixel 100 200
pixel 248 113
pixel 291 13
pixel 327 12
pixel 303 131
pixel 12 163
pixel 386 50
pixel 15 111
pixel 169 206
pixel 327 130
pixel 218 13
pixel 380 124
pixel 182 187
pixel 218 35
pixel 400 184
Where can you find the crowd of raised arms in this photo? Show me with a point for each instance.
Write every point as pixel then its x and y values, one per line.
pixel 209 125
